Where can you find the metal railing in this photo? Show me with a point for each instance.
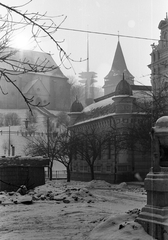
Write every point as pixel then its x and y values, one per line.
pixel 60 174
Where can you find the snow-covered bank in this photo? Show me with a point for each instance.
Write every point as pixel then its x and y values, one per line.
pixel 77 210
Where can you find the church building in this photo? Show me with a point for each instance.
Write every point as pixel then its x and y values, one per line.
pixel 47 85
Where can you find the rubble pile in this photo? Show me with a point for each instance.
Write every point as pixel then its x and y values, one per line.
pixel 65 195
pixel 64 192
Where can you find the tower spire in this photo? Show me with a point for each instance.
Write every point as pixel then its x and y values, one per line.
pixel 87 87
pixel 87 52
pixel 118 36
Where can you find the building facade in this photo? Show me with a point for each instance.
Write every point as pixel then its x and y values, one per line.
pixel 159 58
pixel 119 109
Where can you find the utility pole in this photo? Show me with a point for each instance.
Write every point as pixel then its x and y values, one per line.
pixel 48 137
pixel 48 145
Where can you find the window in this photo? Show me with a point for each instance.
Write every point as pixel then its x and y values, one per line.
pixel 123 156
pixel 109 149
pixel 122 168
pixel 97 168
pixel 108 168
pixel 125 120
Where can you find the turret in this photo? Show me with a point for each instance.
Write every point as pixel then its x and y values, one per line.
pixel 75 110
pixel 123 98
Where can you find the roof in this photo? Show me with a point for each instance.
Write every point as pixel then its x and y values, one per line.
pixel 134 88
pixel 119 66
pixel 30 84
pixel 106 106
pixel 24 58
pixel 97 109
pixel 24 161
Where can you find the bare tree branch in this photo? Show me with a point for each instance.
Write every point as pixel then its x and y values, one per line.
pixel 40 26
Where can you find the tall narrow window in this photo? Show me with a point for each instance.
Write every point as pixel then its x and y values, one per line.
pixel 109 149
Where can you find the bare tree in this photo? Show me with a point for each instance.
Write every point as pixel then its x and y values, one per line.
pixel 41 145
pixel 11 119
pixel 148 109
pixel 40 26
pixel 54 143
pixel 116 142
pixel 66 147
pixel 91 144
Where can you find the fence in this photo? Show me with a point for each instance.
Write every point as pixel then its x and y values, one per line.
pixel 60 174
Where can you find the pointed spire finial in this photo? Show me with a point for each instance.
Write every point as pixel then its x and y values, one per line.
pixel 118 36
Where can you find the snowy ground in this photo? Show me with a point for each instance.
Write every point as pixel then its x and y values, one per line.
pixel 78 211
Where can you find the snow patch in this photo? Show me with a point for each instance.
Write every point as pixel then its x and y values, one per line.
pixel 98 184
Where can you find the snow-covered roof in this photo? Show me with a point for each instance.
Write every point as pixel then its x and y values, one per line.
pixel 24 161
pixel 96 110
pixel 99 104
pixel 106 107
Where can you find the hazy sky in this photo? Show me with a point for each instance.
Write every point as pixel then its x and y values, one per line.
pixel 137 18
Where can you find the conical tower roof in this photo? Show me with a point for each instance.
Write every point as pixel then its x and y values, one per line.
pixel 118 68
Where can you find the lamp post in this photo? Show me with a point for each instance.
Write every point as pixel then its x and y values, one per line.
pixel 26 123
pixel 9 143
pixel 48 147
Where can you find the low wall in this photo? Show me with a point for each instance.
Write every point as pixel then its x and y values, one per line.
pixel 121 177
